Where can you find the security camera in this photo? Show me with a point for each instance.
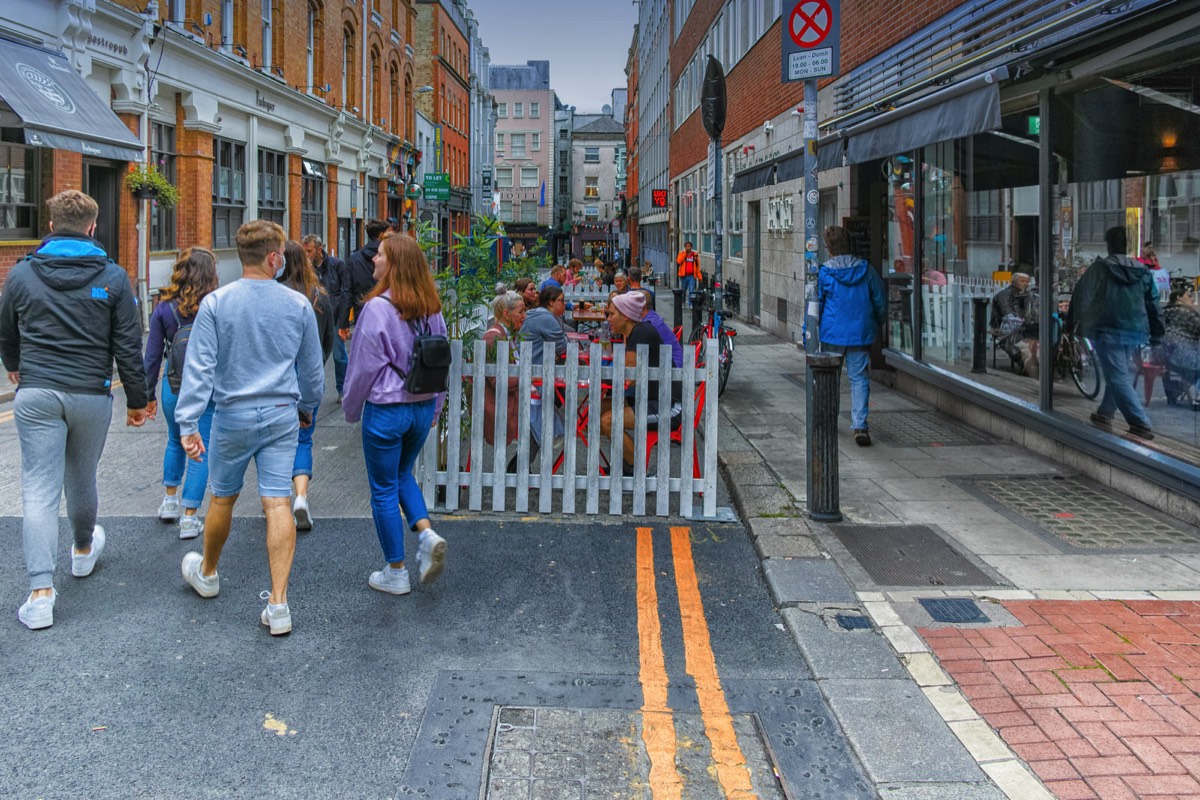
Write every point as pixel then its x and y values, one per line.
pixel 768 127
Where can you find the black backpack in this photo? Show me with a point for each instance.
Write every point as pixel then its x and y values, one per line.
pixel 429 368
pixel 177 352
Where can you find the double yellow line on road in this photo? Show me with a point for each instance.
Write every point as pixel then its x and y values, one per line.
pixel 658 726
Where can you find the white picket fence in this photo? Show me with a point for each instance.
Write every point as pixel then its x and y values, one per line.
pixel 457 461
pixel 948 325
pixel 585 293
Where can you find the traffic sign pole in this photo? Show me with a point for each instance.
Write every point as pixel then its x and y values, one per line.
pixel 811 268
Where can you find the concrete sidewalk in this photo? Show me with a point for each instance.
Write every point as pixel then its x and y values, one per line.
pixel 937 511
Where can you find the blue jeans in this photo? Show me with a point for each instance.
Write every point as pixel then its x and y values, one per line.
pixel 268 434
pixel 1114 358
pixel 175 461
pixel 339 364
pixel 857 360
pixel 392 437
pixel 688 284
pixel 303 463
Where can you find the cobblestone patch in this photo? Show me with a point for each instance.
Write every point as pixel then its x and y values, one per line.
pixel 1084 516
pixel 1101 698
pixel 564 753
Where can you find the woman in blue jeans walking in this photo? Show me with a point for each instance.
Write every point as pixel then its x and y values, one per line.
pixel 194 276
pixel 395 422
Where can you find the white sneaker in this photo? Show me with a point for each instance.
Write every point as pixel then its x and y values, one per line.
pixel 190 526
pixel 300 512
pixel 39 613
pixel 82 565
pixel 170 510
pixel 392 581
pixel 431 556
pixel 276 617
pixel 205 585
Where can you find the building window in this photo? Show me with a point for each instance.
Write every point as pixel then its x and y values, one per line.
pixel 529 211
pixel 563 133
pixel 372 199
pixel 591 155
pixel 177 11
pixel 348 67
pixel 372 98
pixel 272 185
pixel 518 146
pixel 310 49
pixel 529 177
pixel 563 187
pixel 506 211
pixel 312 199
pixel 266 33
pixel 537 141
pixel 502 110
pixel 500 140
pixel 393 114
pixel 504 177
pixel 226 25
pixel 19 181
pixel 162 220
pixel 229 191
pixel 535 110
pixel 591 213
pixel 985 216
pixel 518 110
pixel 591 187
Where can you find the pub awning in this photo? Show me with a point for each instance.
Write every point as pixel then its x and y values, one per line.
pixel 755 178
pixel 43 95
pixel 965 109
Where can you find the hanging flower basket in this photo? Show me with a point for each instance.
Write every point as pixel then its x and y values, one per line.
pixel 146 182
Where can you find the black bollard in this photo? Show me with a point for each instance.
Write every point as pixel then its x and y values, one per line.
pixel 979 342
pixel 678 306
pixel 826 374
pixel 697 312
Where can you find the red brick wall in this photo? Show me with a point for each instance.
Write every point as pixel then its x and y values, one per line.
pixel 194 169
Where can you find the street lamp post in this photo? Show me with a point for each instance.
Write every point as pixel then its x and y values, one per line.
pixel 712 112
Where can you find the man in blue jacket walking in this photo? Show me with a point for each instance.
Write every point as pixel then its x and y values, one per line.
pixel 852 308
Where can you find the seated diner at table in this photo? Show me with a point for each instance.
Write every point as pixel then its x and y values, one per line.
pixel 509 312
pixel 544 324
pixel 527 288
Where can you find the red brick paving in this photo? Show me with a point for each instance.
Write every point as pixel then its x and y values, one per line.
pixel 1099 697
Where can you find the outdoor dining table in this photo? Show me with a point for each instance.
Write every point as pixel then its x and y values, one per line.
pixel 591 319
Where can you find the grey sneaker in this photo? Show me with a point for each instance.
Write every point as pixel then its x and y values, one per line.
pixel 82 565
pixel 277 618
pixel 431 556
pixel 205 585
pixel 170 510
pixel 190 526
pixel 300 512
pixel 39 613
pixel 392 581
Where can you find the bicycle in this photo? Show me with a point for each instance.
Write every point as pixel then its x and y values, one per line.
pixel 702 333
pixel 1075 356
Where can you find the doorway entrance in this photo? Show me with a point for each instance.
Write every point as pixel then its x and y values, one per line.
pixel 102 182
pixel 754 249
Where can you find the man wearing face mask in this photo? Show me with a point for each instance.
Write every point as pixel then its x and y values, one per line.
pixel 255 351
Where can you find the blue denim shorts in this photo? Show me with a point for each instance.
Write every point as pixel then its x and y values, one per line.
pixel 268 435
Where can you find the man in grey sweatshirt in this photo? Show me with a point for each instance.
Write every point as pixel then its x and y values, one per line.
pixel 255 351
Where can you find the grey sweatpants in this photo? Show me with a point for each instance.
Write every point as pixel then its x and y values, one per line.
pixel 62 436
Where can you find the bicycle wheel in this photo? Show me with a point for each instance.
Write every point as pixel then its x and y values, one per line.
pixel 697 337
pixel 725 363
pixel 1084 369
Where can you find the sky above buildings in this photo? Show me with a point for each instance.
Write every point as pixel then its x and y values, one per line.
pixel 585 41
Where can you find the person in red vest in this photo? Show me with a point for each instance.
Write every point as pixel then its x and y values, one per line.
pixel 689 270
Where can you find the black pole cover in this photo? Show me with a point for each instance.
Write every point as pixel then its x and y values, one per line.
pixel 712 99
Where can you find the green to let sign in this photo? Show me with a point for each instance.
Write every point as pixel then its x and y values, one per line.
pixel 437 186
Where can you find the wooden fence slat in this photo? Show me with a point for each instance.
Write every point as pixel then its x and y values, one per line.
pixel 592 478
pixel 478 387
pixel 500 435
pixel 689 433
pixel 524 435
pixel 641 406
pixel 549 412
pixel 454 425
pixel 662 505
pixel 617 405
pixel 710 431
pixel 570 440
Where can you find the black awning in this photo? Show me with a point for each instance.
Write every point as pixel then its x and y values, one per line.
pixel 752 179
pixel 963 110
pixel 57 108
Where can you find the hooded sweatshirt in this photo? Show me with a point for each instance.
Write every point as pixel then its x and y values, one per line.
pixel 360 269
pixel 1116 297
pixel 853 305
pixel 66 313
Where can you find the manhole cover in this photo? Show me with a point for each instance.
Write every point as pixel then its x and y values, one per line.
pixel 853 622
pixel 1084 514
pixel 922 429
pixel 576 753
pixel 952 609
pixel 908 555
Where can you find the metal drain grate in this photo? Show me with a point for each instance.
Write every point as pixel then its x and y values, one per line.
pixel 908 555
pixel 952 609
pixel 923 429
pixel 853 622
pixel 1085 514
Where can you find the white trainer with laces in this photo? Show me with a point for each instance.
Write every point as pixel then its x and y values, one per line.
pixel 190 526
pixel 82 565
pixel 276 617
pixel 38 613
pixel 170 509
pixel 300 512
pixel 431 556
pixel 392 581
pixel 205 585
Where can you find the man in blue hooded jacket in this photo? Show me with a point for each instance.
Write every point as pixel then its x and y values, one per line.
pixel 852 308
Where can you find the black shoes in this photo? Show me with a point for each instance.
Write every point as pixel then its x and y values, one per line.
pixel 861 437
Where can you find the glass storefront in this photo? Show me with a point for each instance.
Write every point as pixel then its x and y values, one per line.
pixel 964 223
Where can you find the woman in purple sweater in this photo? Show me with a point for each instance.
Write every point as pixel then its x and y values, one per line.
pixel 395 423
pixel 194 276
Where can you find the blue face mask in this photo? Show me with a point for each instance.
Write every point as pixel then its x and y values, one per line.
pixel 279 272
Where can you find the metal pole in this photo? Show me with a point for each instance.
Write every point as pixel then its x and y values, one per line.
pixel 810 282
pixel 718 241
pixel 979 336
pixel 825 370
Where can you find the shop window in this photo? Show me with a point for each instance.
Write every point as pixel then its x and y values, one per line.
pixel 162 219
pixel 229 191
pixel 19 195
pixel 272 185
pixel 312 198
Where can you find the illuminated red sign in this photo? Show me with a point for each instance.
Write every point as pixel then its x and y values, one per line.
pixel 658 198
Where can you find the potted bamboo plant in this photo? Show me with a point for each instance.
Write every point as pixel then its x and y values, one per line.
pixel 146 182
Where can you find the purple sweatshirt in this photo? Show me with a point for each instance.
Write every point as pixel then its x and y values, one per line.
pixel 380 337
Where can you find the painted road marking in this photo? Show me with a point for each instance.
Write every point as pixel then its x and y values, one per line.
pixel 658 726
pixel 702 666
